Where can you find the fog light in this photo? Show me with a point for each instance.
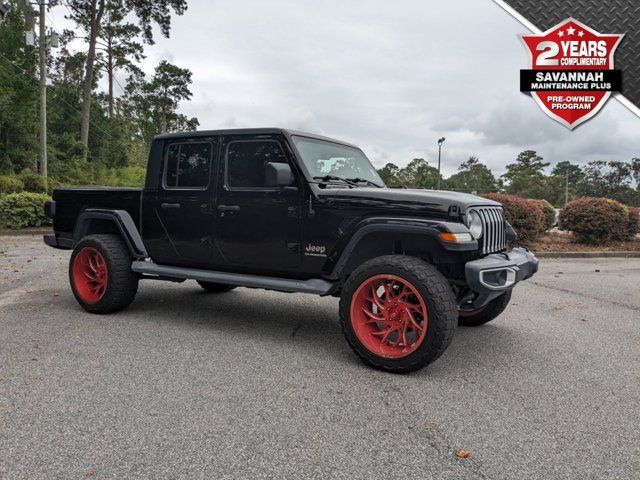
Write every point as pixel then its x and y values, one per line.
pixel 498 278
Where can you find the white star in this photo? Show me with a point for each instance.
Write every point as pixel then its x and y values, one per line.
pixel 570 31
pixel 561 33
pixel 580 33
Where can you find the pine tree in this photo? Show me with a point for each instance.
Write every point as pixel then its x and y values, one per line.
pixel 95 18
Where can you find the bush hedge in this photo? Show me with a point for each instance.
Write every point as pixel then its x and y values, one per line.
pixel 525 216
pixel 22 210
pixel 633 222
pixel 10 184
pixel 548 214
pixel 599 221
pixel 32 181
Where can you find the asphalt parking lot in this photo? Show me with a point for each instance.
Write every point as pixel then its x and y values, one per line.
pixel 256 384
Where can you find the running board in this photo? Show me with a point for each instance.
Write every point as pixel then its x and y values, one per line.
pixel 315 285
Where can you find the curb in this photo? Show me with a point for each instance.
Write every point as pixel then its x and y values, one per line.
pixel 6 232
pixel 630 254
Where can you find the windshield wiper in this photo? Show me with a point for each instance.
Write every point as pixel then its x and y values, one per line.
pixel 363 180
pixel 329 178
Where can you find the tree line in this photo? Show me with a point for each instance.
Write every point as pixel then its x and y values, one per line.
pixel 94 135
pixel 527 177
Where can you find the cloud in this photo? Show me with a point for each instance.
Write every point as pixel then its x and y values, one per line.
pixel 391 78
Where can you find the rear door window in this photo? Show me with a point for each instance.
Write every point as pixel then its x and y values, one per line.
pixel 188 165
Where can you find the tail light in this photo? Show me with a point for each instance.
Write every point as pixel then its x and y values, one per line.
pixel 50 208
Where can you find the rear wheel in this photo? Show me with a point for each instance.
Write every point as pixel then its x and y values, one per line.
pixel 213 287
pixel 100 274
pixel 398 313
pixel 475 318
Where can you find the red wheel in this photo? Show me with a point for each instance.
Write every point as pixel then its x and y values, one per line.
pixel 100 274
pixel 469 312
pixel 482 315
pixel 398 313
pixel 90 275
pixel 389 316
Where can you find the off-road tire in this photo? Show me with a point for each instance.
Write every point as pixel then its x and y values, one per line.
pixel 213 287
pixel 494 308
pixel 122 283
pixel 440 303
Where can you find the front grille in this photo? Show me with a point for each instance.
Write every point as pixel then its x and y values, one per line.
pixel 494 236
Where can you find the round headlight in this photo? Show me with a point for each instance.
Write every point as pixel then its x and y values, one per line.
pixel 474 222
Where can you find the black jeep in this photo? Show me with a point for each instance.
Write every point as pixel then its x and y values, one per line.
pixel 296 212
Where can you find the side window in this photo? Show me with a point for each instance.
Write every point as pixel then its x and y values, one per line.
pixel 246 160
pixel 187 165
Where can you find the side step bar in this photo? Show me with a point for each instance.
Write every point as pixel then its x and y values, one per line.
pixel 315 285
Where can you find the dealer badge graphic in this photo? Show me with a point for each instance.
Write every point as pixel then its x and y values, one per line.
pixel 571 73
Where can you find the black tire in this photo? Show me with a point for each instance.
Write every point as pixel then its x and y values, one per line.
pixel 121 284
pixel 212 287
pixel 437 295
pixel 494 308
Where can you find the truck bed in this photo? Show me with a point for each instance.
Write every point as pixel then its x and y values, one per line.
pixel 72 200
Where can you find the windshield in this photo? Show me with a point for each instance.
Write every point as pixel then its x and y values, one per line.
pixel 324 158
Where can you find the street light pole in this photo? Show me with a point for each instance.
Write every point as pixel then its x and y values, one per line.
pixel 43 92
pixel 440 142
pixel 5 8
pixel 566 187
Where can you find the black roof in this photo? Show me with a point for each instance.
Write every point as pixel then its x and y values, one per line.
pixel 249 131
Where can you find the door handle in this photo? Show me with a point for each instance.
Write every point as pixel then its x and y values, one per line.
pixel 170 205
pixel 229 208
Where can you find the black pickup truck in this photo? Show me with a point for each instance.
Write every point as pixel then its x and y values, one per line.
pixel 295 212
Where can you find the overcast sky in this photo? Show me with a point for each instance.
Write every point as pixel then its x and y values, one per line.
pixel 391 77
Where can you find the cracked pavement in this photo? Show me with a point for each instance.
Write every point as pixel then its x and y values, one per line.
pixel 256 384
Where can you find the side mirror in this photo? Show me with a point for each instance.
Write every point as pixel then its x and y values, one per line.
pixel 277 175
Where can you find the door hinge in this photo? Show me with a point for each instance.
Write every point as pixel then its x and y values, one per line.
pixel 312 212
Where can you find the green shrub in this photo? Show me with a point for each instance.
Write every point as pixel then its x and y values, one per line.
pixel 548 212
pixel 52 184
pixel 32 181
pixel 597 221
pixel 21 210
pixel 10 184
pixel 132 176
pixel 633 223
pixel 524 216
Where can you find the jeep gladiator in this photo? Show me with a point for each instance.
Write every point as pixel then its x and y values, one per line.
pixel 295 212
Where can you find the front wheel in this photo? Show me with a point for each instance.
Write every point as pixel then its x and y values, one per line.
pixel 100 274
pixel 398 313
pixel 475 318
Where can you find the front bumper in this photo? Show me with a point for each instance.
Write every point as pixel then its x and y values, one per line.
pixel 491 276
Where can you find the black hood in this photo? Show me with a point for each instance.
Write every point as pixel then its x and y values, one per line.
pixel 402 199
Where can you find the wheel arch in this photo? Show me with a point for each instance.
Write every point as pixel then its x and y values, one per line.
pixel 420 239
pixel 95 221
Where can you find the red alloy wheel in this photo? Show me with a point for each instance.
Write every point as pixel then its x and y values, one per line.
pixel 389 316
pixel 90 275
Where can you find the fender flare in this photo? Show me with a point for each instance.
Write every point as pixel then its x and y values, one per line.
pixel 430 228
pixel 124 222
